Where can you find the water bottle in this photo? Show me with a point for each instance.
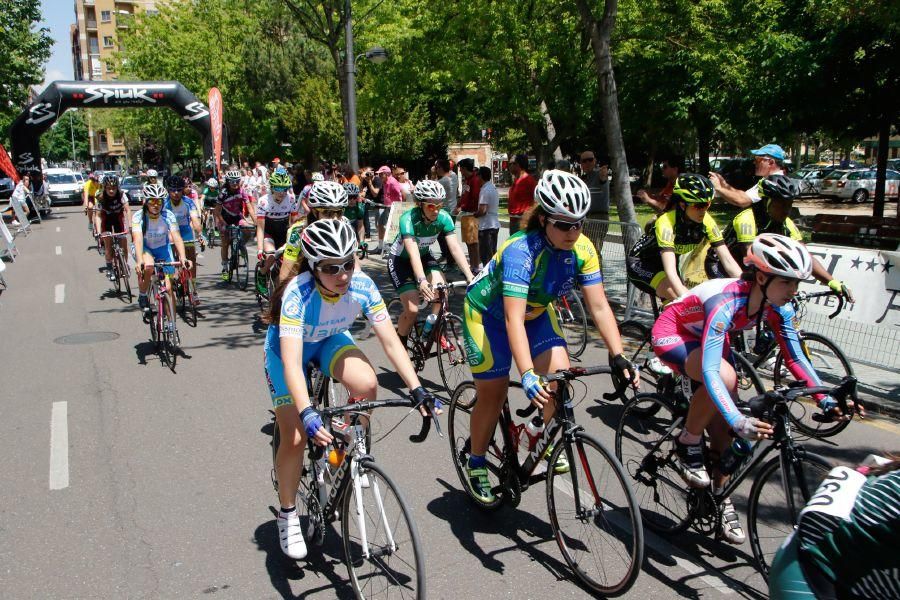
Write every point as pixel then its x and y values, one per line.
pixel 534 428
pixel 734 455
pixel 429 324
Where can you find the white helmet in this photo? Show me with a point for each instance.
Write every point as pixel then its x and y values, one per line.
pixel 562 194
pixel 328 239
pixel 212 183
pixel 327 194
pixel 317 177
pixel 780 256
pixel 154 191
pixel 429 190
pixel 152 173
pixel 233 176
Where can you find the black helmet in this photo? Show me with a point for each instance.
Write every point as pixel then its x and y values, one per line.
pixel 693 189
pixel 111 179
pixel 174 183
pixel 777 187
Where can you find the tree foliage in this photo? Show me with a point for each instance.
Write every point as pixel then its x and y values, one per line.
pixel 56 143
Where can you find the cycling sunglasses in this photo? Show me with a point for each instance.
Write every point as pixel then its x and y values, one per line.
pixel 433 205
pixel 280 190
pixel 700 204
pixel 566 225
pixel 348 266
pixel 330 213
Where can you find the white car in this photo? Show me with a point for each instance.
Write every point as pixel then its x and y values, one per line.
pixel 858 185
pixel 64 186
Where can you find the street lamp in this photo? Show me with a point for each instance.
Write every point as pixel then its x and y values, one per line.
pixel 72 132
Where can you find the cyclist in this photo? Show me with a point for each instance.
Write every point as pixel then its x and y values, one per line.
pixel 413 269
pixel 506 316
pixel 154 230
pixel 355 212
pixel 274 214
pixel 770 215
pixel 328 200
pixel 112 213
pixel 188 219
pixel 847 540
pixel 210 196
pixel 230 207
pixel 304 193
pixel 152 176
pixel 691 337
pixel 652 264
pixel 91 189
pixel 309 321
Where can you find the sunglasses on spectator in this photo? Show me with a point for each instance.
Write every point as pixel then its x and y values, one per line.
pixel 348 266
pixel 566 225
pixel 763 159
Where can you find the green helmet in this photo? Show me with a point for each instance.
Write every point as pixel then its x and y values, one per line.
pixel 693 189
pixel 279 179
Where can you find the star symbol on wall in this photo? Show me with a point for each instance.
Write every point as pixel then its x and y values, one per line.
pixel 870 266
pixel 854 264
pixel 886 267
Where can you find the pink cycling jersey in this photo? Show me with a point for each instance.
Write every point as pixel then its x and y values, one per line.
pixel 702 319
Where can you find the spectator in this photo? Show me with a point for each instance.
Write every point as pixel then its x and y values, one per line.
pixel 563 164
pixel 299 179
pixel 488 216
pixel 351 177
pixel 769 160
pixel 20 196
pixel 672 166
pixel 371 189
pixel 597 179
pixel 390 192
pixel 405 184
pixel 521 193
pixel 443 172
pixel 466 209
pixel 41 197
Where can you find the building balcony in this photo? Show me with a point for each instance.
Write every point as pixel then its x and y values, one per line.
pixel 91 25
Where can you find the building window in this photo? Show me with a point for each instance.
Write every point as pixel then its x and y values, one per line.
pixel 107 41
pixel 105 16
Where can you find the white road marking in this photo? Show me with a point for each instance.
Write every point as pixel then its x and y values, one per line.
pixel 58 229
pixel 59 446
pixel 58 250
pixel 60 293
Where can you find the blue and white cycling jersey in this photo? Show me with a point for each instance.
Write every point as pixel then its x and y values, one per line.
pixel 183 213
pixel 157 232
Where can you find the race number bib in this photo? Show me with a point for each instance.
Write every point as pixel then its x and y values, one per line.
pixel 837 493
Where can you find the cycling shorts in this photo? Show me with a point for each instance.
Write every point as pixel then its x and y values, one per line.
pixel 112 222
pixel 231 219
pixel 645 275
pixel 323 353
pixel 277 239
pixel 163 253
pixel 786 577
pixel 487 341
pixel 673 348
pixel 401 272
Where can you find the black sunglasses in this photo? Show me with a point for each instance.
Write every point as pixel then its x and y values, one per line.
pixel 348 266
pixel 566 225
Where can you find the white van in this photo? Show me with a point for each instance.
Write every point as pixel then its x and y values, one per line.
pixel 64 186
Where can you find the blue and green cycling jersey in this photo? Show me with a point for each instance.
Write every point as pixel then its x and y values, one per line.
pixel 527 266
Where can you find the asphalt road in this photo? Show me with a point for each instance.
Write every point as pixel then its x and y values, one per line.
pixel 121 479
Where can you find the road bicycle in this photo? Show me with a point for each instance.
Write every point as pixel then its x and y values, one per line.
pixel 573 321
pixel 782 485
pixel 162 320
pixel 382 550
pixel 826 357
pixel 445 336
pixel 120 264
pixel 238 262
pixel 593 511
pixel 95 232
pixel 209 230
pixel 269 281
pixel 186 296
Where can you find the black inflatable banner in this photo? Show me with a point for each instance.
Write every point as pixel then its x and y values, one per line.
pixel 25 132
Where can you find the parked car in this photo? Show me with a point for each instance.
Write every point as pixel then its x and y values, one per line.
pixel 809 180
pixel 132 185
pixel 860 186
pixel 63 186
pixel 7 185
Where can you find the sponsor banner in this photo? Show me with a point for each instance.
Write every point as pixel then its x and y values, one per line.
pixel 6 165
pixel 215 116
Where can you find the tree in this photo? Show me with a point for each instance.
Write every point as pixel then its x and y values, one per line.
pixel 23 51
pixel 56 143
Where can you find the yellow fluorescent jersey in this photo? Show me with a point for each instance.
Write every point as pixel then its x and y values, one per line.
pixel 674 230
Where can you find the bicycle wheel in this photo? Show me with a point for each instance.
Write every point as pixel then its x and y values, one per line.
pixel 459 416
pixel 451 351
pixel 595 516
pixel 117 274
pixel 573 321
pixel 153 316
pixel 655 377
pixel 190 308
pixel 831 365
pixel 125 274
pixel 381 543
pixel 645 446
pixel 749 383
pixel 243 269
pixel 772 512
pixel 170 333
pixel 260 299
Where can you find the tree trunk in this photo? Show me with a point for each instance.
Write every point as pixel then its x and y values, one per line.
pixel 552 142
pixel 884 136
pixel 648 182
pixel 600 32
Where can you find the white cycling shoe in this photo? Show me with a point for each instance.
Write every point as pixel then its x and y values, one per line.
pixel 290 534
pixel 689 463
pixel 731 524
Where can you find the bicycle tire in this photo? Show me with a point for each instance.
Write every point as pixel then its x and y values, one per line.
pixel 384 571
pixel 125 273
pixel 117 276
pixel 813 469
pixel 153 317
pixel 612 510
pixel 573 322
pixel 831 365
pixel 171 337
pixel 189 308
pixel 244 269
pixel 459 416
pixel 636 347
pixel 259 297
pixel 452 361
pixel 749 383
pixel 661 493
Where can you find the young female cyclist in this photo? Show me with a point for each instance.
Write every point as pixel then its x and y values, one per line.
pixel 691 336
pixel 275 212
pixel 506 312
pixel 309 320
pixel 413 269
pixel 188 218
pixel 112 214
pixel 230 208
pixel 652 263
pixel 153 229
pixel 326 200
pixel 355 212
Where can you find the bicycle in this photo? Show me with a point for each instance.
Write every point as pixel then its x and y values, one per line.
pixel 382 550
pixel 209 230
pixel 782 486
pixel 271 279
pixel 186 296
pixel 445 334
pixel 827 359
pixel 95 232
pixel 238 262
pixel 120 265
pixel 163 328
pixel 572 320
pixel 593 499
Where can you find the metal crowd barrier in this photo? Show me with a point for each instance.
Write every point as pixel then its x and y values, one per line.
pixel 613 240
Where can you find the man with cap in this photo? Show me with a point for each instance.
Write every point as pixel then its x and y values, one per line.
pixel 768 160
